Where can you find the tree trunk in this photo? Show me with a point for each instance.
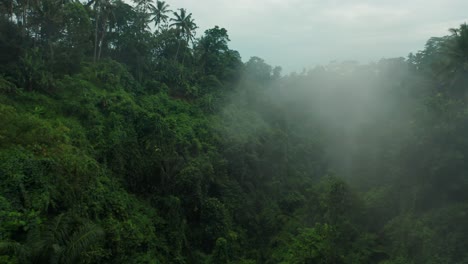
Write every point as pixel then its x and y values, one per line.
pixel 183 57
pixel 10 15
pixel 101 41
pixel 96 34
pixel 177 52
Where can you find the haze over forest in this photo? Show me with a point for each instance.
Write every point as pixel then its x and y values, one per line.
pixel 133 133
pixel 299 34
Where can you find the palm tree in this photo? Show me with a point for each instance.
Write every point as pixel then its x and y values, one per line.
pixel 159 13
pixel 185 26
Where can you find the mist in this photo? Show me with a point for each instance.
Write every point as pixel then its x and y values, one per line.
pixel 387 129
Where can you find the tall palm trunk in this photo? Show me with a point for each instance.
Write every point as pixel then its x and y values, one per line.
pixel 183 56
pixel 95 43
pixel 101 41
pixel 185 53
pixel 96 32
pixel 10 15
pixel 24 18
pixel 177 52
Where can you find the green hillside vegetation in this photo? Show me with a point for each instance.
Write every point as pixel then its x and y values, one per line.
pixel 126 138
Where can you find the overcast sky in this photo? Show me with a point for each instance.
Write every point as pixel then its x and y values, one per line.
pixel 303 33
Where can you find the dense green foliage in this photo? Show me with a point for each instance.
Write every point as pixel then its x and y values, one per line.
pixel 126 139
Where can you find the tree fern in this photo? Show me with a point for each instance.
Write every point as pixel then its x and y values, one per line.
pixel 81 240
pixel 63 240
